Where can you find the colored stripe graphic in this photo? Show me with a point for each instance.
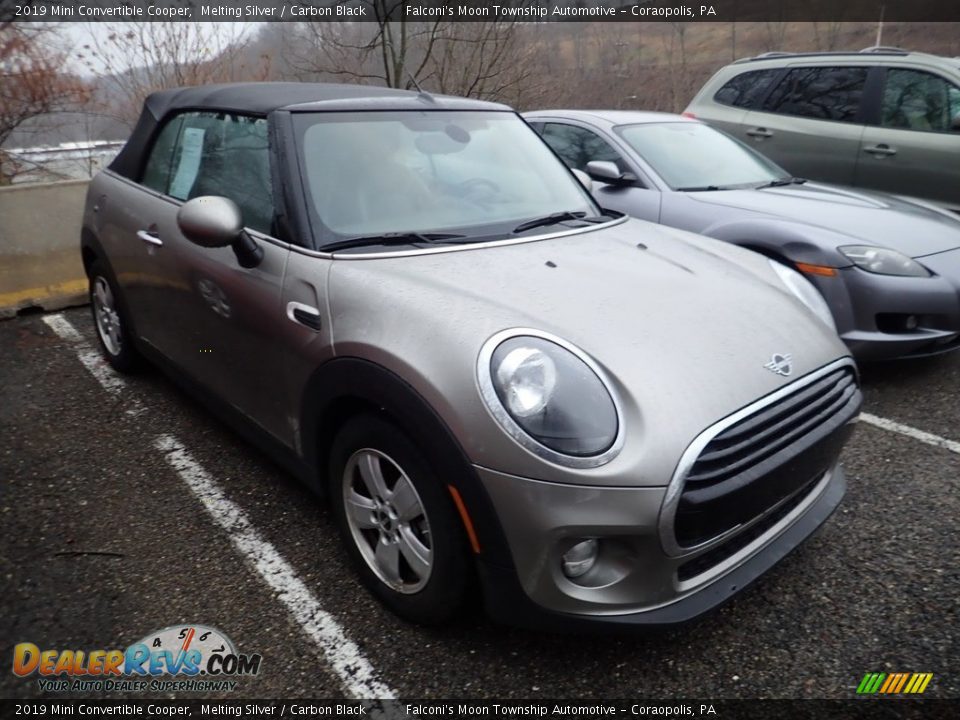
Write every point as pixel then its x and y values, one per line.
pixel 894 683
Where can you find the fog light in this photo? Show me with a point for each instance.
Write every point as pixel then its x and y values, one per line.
pixel 911 322
pixel 580 558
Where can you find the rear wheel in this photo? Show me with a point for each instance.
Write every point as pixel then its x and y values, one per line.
pixel 112 329
pixel 398 521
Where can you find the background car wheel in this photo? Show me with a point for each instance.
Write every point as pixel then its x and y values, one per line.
pixel 398 521
pixel 112 329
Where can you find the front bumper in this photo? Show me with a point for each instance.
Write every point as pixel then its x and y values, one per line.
pixel 870 309
pixel 539 518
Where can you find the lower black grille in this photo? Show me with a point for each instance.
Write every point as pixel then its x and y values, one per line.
pixel 738 542
pixel 765 457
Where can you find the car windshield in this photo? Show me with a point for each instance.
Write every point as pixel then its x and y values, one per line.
pixel 691 155
pixel 473 175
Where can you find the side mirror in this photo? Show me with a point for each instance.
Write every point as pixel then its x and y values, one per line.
pixel 584 179
pixel 608 172
pixel 212 221
pixel 955 123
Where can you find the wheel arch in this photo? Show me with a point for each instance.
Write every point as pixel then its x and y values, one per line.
pixel 344 387
pixel 90 250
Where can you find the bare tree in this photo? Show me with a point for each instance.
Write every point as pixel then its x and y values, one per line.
pixel 481 59
pixel 158 55
pixel 33 84
pixel 675 46
pixel 826 35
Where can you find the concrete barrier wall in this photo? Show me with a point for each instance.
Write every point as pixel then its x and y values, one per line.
pixel 40 262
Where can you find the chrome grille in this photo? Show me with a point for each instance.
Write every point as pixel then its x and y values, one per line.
pixel 758 461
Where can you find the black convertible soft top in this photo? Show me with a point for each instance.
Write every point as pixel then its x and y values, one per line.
pixel 266 97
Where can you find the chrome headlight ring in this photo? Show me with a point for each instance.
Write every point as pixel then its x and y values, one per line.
pixel 496 405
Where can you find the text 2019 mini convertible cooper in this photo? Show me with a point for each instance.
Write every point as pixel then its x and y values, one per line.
pixel 414 305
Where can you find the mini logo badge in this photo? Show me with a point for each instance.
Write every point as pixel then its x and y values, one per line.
pixel 780 364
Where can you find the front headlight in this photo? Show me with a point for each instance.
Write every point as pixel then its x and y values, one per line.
pixel 883 261
pixel 550 397
pixel 805 292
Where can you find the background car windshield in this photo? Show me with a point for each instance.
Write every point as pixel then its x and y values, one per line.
pixel 472 173
pixel 693 155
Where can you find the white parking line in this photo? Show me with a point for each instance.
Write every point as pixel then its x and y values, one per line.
pixel 347 662
pixel 92 361
pixel 343 655
pixel 911 432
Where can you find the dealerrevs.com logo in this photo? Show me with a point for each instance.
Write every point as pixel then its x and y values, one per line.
pixel 178 658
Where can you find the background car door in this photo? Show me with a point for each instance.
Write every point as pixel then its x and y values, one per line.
pixel 811 122
pixel 219 322
pixel 577 146
pixel 915 150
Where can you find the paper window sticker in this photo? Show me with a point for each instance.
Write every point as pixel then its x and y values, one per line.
pixel 192 148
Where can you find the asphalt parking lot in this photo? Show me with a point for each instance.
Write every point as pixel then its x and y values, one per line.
pixel 111 531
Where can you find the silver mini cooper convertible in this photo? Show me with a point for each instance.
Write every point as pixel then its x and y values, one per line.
pixel 414 305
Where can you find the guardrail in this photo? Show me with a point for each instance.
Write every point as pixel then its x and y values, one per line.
pixel 40 265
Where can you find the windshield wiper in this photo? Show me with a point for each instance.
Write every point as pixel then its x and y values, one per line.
pixel 402 238
pixel 699 188
pixel 557 218
pixel 780 182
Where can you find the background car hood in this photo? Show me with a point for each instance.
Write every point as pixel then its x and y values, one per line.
pixel 682 330
pixel 866 217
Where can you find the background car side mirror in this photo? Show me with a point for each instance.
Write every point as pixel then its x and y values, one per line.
pixel 212 221
pixel 584 179
pixel 607 172
pixel 955 123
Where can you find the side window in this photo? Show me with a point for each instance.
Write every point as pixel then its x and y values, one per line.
pixel 577 146
pixel 825 93
pixel 156 175
pixel 216 154
pixel 746 89
pixel 914 100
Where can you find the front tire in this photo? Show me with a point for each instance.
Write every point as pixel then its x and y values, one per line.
pixel 113 331
pixel 397 521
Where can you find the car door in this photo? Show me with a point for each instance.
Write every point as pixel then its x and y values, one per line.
pixel 219 322
pixel 126 225
pixel 578 145
pixel 914 149
pixel 812 121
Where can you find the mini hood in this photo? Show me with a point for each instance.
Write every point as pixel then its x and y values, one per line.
pixel 865 217
pixel 682 324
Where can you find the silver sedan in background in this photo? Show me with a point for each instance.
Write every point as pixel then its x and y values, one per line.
pixel 889 268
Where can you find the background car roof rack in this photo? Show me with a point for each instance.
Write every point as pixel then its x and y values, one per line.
pixel 875 50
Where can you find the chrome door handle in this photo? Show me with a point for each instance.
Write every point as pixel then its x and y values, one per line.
pixel 149 237
pixel 304 315
pixel 760 133
pixel 880 150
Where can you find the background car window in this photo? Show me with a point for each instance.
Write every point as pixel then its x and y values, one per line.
pixel 223 154
pixel 746 89
pixel 156 175
pixel 577 146
pixel 826 93
pixel 915 100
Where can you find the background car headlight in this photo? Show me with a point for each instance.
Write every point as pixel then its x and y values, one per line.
pixel 550 397
pixel 883 261
pixel 805 292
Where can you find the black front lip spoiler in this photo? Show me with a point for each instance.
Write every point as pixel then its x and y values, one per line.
pixel 507 602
